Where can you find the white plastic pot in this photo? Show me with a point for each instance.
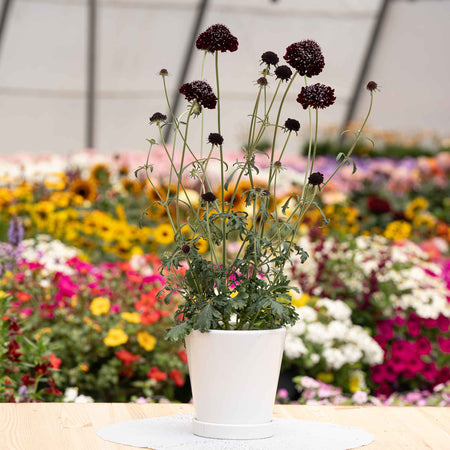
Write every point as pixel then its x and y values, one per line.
pixel 234 377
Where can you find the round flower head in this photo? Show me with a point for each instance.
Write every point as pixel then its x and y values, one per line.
pixel 270 58
pixel 215 139
pixel 315 179
pixel 200 91
pixel 209 197
pixel 262 81
pixel 217 38
pixel 306 57
pixel 185 249
pixel 372 86
pixel 317 96
pixel 283 73
pixel 163 72
pixel 158 117
pixel 292 125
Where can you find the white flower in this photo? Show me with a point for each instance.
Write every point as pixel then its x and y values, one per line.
pixel 360 397
pixel 84 399
pixel 70 394
pixel 307 314
pixel 294 347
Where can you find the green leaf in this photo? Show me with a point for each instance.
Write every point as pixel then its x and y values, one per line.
pixel 340 156
pixel 205 318
pixel 178 332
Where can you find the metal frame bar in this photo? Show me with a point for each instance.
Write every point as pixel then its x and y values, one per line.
pixel 365 65
pixel 4 17
pixel 201 8
pixel 91 74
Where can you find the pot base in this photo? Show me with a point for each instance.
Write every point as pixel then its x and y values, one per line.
pixel 232 431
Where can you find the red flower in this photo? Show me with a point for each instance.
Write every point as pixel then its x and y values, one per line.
pixel 42 368
pixel 443 376
pixel 126 357
pixel 13 353
pixel 177 377
pixel 155 374
pixel 13 328
pixel 182 355
pixel 27 380
pixel 415 364
pixel 52 388
pixel 397 364
pixel 55 362
pixel 378 205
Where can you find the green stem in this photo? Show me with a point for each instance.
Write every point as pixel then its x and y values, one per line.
pixel 203 116
pixel 354 143
pixel 224 242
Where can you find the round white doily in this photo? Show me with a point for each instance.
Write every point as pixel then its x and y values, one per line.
pixel 174 432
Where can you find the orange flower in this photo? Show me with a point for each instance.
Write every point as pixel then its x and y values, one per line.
pixel 23 297
pixel 147 318
pixel 54 361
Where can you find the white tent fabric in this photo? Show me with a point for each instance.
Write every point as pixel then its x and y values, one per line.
pixel 43 59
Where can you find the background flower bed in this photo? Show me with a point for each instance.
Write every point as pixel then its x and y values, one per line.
pixel 386 323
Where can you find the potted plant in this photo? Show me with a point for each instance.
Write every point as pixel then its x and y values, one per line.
pixel 236 297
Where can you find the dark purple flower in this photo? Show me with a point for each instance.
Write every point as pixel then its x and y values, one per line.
pixel 262 81
pixel 15 231
pixel 292 125
pixel 372 86
pixel 306 57
pixel 158 117
pixel 317 96
pixel 217 38
pixel 315 179
pixel 283 73
pixel 163 72
pixel 270 58
pixel 201 92
pixel 215 139
pixel 209 197
pixel 185 248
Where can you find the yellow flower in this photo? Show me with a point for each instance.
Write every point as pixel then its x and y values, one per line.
pixel 100 305
pixel 398 230
pixel 131 317
pixel 115 337
pixel 325 377
pixel 416 206
pixel 84 367
pixel 146 341
pixel 425 219
pixel 202 245
pixel 164 234
pixel 353 383
pixel 85 189
pixel 233 294
pixel 298 302
pixel 100 174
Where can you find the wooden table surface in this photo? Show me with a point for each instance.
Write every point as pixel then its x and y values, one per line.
pixel 67 426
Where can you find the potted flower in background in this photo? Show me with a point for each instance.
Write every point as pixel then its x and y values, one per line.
pixel 236 297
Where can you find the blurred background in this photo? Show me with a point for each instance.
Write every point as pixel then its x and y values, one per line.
pixel 78 74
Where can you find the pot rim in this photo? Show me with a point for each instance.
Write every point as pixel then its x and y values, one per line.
pixel 243 332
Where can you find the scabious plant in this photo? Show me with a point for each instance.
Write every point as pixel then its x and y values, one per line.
pixel 245 288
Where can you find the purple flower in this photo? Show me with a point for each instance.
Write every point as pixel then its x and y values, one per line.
pixel 217 38
pixel 15 231
pixel 306 57
pixel 201 92
pixel 317 96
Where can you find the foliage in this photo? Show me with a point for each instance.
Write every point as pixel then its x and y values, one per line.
pixel 246 288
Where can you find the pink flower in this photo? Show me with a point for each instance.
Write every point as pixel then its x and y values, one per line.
pixel 378 373
pixel 430 372
pixel 415 364
pixel 399 321
pixel 26 312
pixel 385 329
pixel 443 323
pixel 115 308
pixel 397 364
pixel 413 397
pixel 383 391
pixel 429 323
pixel 403 349
pixel 444 344
pixel 423 346
pixel 413 326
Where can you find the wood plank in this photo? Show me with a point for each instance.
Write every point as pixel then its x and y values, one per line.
pixel 61 426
